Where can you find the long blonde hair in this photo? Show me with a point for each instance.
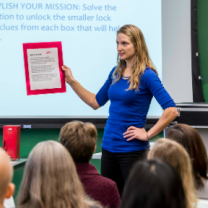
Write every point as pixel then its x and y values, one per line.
pixel 142 59
pixel 174 154
pixel 50 179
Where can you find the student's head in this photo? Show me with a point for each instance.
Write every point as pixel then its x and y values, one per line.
pixel 50 179
pixel 131 46
pixel 174 154
pixel 6 174
pixel 190 139
pixel 153 184
pixel 79 139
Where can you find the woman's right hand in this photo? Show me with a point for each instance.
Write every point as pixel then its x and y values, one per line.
pixel 68 74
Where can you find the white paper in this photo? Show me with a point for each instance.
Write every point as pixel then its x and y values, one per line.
pixel 43 68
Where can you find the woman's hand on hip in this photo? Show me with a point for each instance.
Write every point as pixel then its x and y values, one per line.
pixel 135 133
pixel 68 74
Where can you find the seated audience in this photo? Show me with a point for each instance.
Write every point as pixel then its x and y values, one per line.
pixel 153 184
pixel 6 174
pixel 190 139
pixel 80 140
pixel 175 155
pixel 50 180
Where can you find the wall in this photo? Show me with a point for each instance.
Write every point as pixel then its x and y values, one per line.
pixel 176 49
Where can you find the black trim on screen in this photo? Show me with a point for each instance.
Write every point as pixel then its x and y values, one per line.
pixel 56 123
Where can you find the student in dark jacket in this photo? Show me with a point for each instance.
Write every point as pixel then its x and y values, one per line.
pixel 80 140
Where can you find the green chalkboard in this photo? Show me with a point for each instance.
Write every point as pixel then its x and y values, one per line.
pixel 202 21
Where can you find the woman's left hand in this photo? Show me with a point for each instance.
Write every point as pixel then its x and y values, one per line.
pixel 136 133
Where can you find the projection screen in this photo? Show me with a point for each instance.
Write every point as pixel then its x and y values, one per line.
pixel 87 30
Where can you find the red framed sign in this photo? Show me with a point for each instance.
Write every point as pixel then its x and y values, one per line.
pixel 43 62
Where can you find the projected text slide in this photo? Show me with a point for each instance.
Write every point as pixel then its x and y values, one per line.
pixel 57 21
pixel 87 30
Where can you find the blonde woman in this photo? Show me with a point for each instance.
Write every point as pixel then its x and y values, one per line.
pixel 174 154
pixel 130 87
pixel 50 180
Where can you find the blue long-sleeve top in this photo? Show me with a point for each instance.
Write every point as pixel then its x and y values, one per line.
pixel 129 108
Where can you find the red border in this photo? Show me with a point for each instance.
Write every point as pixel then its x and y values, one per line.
pixel 57 45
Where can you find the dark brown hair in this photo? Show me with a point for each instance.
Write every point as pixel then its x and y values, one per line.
pixel 79 139
pixel 157 178
pixel 190 139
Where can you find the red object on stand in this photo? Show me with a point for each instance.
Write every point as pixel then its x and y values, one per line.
pixel 11 141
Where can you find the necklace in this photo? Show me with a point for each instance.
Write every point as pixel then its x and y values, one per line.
pixel 126 78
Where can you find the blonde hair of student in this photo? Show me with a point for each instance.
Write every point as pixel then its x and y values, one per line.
pixel 142 59
pixel 50 180
pixel 174 154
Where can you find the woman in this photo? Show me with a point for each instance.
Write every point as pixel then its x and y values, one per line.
pixel 175 155
pixel 190 139
pixel 130 87
pixel 153 184
pixel 50 180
